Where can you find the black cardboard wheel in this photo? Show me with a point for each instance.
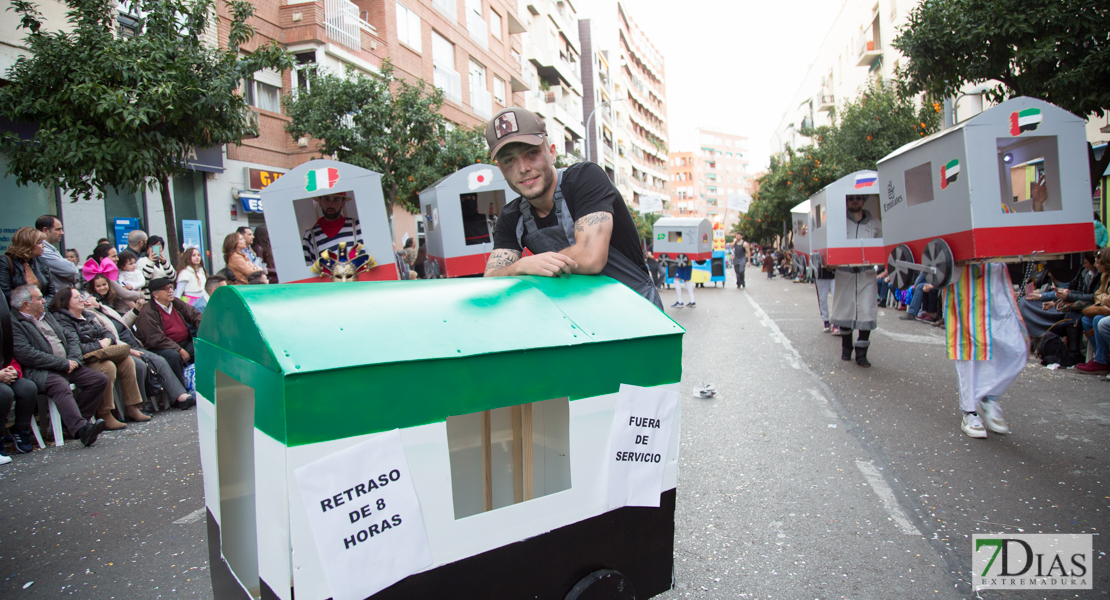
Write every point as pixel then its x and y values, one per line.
pixel 606 584
pixel 901 277
pixel 938 255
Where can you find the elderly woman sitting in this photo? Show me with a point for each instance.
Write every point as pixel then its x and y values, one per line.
pixel 69 309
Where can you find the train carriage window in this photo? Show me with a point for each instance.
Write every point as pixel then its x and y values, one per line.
pixel 674 237
pixel 508 455
pixel 479 215
pixel 1024 164
pixel 919 184
pixel 818 216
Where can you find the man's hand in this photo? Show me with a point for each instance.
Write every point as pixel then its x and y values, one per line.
pixel 73 366
pixel 1033 296
pixel 548 264
pixel 1038 192
pixel 183 354
pixel 104 343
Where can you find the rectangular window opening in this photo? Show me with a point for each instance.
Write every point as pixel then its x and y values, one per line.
pixel 509 455
pixel 479 215
pixel 919 184
pixel 1025 163
pixel 235 451
pixel 818 216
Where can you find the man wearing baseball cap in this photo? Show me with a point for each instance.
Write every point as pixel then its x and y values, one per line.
pixel 573 220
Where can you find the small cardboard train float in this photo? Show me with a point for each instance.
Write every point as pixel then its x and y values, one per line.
pixel 306 242
pixel 965 193
pixel 799 224
pixel 460 213
pixel 682 242
pixel 712 270
pixel 829 241
pixel 334 468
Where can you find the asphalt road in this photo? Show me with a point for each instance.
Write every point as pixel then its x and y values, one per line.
pixel 805 477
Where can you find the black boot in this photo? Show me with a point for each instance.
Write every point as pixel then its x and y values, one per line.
pixel 846 346
pixel 861 356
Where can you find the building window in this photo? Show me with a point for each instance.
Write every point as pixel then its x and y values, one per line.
pixel 262 95
pixel 408 27
pixel 499 90
pixel 480 99
pixel 445 76
pixel 495 24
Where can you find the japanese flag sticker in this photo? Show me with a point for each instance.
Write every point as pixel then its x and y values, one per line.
pixel 480 178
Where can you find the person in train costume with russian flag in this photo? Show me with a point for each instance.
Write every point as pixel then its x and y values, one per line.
pixel 331 229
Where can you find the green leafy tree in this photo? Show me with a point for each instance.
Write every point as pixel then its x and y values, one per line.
pixel 385 124
pixel 1055 50
pixel 645 224
pixel 124 112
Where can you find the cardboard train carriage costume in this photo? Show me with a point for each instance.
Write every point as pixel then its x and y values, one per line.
pixel 682 242
pixel 460 213
pixel 799 223
pixel 967 194
pixel 301 235
pixel 337 468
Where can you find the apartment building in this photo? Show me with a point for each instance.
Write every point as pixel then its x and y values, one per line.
pixel 701 181
pixel 597 100
pixel 434 40
pixel 553 71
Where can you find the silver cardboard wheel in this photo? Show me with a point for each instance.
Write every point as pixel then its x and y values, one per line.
pixel 938 255
pixel 683 260
pixel 901 277
pixel 815 260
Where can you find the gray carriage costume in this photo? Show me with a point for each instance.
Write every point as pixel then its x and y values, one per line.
pixel 856 293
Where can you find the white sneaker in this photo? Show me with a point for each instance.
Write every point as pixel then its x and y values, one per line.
pixel 5 459
pixel 973 426
pixel 992 415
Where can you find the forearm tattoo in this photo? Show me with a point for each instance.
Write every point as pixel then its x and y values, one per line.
pixel 590 220
pixel 500 259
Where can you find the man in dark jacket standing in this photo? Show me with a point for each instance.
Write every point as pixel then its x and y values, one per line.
pixel 52 359
pixel 163 326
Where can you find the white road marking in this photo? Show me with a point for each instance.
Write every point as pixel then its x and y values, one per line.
pixel 886 495
pixel 823 402
pixel 931 340
pixel 191 518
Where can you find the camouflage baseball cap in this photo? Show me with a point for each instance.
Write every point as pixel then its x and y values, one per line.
pixel 514 124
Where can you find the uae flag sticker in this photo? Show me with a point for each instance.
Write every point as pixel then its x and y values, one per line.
pixel 949 173
pixel 1025 120
pixel 321 179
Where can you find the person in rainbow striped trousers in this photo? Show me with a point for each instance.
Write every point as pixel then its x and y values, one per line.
pixel 987 339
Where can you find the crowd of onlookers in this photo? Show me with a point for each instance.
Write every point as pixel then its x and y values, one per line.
pixel 105 338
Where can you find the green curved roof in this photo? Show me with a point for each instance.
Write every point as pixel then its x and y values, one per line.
pixel 308 327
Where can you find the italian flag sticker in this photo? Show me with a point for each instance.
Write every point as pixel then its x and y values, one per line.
pixel 1026 120
pixel 321 179
pixel 949 173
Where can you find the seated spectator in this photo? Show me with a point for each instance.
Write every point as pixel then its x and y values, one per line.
pixel 15 389
pixel 105 293
pixel 103 262
pixel 130 276
pixel 1100 362
pixel 1094 314
pixel 154 264
pixel 191 277
pixel 22 264
pixel 237 262
pixel 163 326
pixel 1059 304
pixel 120 325
pixel 210 285
pixel 51 358
pixel 69 310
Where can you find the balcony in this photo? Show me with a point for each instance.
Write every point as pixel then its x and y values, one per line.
pixel 867 50
pixel 447 7
pixel 825 102
pixel 341 21
pixel 478 29
pixel 482 102
pixel 448 80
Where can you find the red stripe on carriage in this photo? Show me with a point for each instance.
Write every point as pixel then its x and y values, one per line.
pixel 386 272
pixel 698 256
pixel 998 242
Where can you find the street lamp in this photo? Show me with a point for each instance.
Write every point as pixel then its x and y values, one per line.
pixel 590 118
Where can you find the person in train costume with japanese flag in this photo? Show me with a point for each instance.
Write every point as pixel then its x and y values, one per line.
pixel 332 228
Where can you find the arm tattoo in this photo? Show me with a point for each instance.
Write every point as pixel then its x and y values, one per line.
pixel 502 258
pixel 590 220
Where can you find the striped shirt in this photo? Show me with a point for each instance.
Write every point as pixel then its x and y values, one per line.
pixel 316 241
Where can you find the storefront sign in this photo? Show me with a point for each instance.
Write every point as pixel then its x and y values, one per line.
pixel 259 179
pixel 209 160
pixel 251 203
pixel 365 517
pixel 639 444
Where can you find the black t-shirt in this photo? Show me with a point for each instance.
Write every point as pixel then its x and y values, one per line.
pixel 587 189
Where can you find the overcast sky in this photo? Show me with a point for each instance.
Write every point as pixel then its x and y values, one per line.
pixel 731 65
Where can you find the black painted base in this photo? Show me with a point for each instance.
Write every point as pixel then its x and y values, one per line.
pixel 636 541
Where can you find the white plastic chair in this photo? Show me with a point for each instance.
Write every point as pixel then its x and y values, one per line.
pixel 55 422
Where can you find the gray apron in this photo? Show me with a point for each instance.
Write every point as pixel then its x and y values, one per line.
pixel 554 239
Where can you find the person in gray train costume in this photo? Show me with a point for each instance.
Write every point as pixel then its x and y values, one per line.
pixel 856 293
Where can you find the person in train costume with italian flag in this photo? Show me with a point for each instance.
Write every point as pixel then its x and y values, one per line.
pixel 332 228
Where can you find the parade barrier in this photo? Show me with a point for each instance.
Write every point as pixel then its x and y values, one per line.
pixel 292 209
pixel 681 242
pixel 511 437
pixel 460 212
pixel 965 193
pixel 829 241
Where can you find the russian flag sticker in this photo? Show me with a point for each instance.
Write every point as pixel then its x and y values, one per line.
pixel 867 179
